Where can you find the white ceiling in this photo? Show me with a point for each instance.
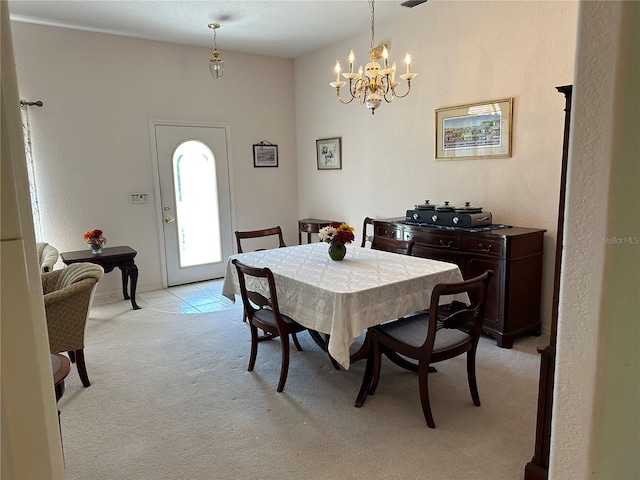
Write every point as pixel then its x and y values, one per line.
pixel 282 28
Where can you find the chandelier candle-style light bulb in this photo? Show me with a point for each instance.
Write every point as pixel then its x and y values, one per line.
pixel 373 84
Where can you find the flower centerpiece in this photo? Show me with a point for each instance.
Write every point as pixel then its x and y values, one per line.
pixel 95 240
pixel 337 235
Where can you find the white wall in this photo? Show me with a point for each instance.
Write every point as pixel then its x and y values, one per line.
pixel 596 414
pixel 31 445
pixel 91 140
pixel 463 52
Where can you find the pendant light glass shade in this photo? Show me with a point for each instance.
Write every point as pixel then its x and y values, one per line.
pixel 216 65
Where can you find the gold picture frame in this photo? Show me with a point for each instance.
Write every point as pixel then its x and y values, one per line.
pixel 475 130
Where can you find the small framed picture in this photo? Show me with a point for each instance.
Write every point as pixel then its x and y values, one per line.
pixel 329 153
pixel 477 130
pixel 265 155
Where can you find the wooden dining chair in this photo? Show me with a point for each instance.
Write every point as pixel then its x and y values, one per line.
pixel 394 245
pixel 444 332
pixel 266 232
pixel 263 313
pixel 366 236
pixel 259 233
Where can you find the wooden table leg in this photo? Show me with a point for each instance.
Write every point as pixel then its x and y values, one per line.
pixel 130 271
pixel 323 343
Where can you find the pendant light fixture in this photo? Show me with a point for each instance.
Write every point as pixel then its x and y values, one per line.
pixel 373 84
pixel 216 64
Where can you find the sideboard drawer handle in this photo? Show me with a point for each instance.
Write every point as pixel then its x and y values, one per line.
pixel 305 225
pixel 390 233
pixel 488 249
pixel 447 245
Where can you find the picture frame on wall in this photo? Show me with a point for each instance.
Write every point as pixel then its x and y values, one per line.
pixel 265 154
pixel 329 153
pixel 476 130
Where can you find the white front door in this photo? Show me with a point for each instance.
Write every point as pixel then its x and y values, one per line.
pixel 196 201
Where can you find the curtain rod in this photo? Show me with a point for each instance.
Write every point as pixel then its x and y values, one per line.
pixel 24 103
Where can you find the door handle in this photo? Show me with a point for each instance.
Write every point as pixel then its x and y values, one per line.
pixel 169 220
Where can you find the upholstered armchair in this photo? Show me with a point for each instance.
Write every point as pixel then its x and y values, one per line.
pixel 68 294
pixel 47 256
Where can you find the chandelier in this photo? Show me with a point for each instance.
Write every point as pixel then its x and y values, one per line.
pixel 216 64
pixel 373 84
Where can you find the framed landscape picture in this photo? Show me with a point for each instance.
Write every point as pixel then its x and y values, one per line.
pixel 329 153
pixel 477 130
pixel 265 155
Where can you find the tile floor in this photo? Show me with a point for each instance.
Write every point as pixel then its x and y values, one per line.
pixel 201 297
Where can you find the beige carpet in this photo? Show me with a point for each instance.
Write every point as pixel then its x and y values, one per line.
pixel 171 399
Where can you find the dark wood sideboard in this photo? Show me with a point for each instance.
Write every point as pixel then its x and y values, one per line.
pixel 515 256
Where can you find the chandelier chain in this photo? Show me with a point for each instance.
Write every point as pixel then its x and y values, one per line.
pixel 373 23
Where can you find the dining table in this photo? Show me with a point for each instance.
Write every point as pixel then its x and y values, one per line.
pixel 343 298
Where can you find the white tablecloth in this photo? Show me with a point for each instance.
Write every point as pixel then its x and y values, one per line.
pixel 367 288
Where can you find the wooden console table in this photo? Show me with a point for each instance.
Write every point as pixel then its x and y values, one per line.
pixel 310 225
pixel 515 256
pixel 111 257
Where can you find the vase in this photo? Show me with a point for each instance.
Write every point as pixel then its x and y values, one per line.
pixel 337 250
pixel 96 248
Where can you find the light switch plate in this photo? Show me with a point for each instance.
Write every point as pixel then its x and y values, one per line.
pixel 138 197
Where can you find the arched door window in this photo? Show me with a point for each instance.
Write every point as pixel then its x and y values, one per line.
pixel 196 197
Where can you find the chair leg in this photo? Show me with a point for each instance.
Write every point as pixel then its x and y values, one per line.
pixel 284 369
pixel 423 382
pixel 72 356
pixel 471 374
pixel 254 346
pixel 82 368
